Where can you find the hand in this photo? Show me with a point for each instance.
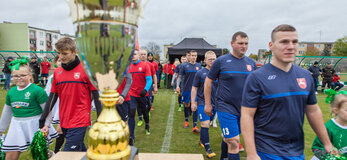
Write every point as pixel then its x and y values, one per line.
pixel 171 83
pixel 45 130
pixel 177 89
pixel 331 149
pixel 120 100
pixel 143 93
pixel 155 90
pixel 208 110
pixel 193 106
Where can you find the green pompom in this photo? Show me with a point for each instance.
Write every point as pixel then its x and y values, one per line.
pixel 38 147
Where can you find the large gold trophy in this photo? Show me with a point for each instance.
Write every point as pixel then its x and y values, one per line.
pixel 106 32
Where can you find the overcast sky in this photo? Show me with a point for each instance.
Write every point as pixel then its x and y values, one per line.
pixel 169 21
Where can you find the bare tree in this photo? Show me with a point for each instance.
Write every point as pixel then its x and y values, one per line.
pixel 152 47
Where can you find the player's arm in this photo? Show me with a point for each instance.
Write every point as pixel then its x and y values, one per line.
pixel 179 79
pixel 155 80
pixel 52 99
pixel 129 81
pixel 173 78
pixel 97 103
pixel 247 130
pixel 48 120
pixel 6 116
pixel 207 94
pixel 315 118
pixel 193 97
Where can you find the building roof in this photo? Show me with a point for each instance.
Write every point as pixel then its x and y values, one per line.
pixel 198 44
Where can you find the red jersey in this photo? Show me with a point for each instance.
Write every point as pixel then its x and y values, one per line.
pixel 169 69
pixel 139 72
pixel 74 91
pixel 45 67
pixel 336 78
pixel 155 64
pixel 151 68
pixel 121 88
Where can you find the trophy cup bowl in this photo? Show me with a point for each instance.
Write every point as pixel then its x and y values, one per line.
pixel 106 32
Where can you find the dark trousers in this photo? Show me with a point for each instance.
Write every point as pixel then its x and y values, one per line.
pixel 315 79
pixel 326 81
pixel 74 139
pixel 143 104
pixel 335 84
pixel 7 81
pixel 168 79
pixel 36 78
pixel 123 110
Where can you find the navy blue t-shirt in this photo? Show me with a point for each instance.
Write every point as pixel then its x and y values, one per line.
pixel 178 67
pixel 231 73
pixel 280 98
pixel 188 72
pixel 199 81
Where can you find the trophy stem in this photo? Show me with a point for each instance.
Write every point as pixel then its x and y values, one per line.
pixel 109 136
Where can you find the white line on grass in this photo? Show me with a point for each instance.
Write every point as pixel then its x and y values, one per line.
pixel 165 148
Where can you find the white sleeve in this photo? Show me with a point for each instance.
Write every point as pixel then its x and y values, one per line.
pixel 49 85
pixel 5 118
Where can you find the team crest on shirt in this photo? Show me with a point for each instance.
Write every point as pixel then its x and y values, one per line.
pixel 249 67
pixel 197 68
pixel 77 75
pixel 302 82
pixel 140 69
pixel 27 95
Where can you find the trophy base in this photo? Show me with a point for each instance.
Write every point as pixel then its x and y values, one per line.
pixel 134 151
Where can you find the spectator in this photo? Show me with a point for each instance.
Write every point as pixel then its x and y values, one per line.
pixel 160 67
pixel 335 82
pixel 36 69
pixel 7 72
pixel 327 76
pixel 45 71
pixel 315 71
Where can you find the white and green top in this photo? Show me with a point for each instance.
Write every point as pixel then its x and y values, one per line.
pixel 26 102
pixel 338 137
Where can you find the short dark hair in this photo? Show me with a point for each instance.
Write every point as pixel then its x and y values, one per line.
pixel 282 28
pixel 239 33
pixel 193 51
pixel 188 53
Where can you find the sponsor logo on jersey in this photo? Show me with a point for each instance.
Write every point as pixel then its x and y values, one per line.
pixel 229 60
pixel 60 72
pixel 302 82
pixel 140 69
pixel 77 75
pixel 249 67
pixel 27 95
pixel 271 77
pixel 19 104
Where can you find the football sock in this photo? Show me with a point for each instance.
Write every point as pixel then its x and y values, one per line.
pixel 186 113
pixel 233 156
pixel 195 118
pixel 59 142
pixel 132 127
pixel 224 150
pixel 205 138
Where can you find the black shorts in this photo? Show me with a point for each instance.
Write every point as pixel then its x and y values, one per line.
pixel 44 75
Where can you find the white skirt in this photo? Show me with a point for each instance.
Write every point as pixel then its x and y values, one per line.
pixel 21 132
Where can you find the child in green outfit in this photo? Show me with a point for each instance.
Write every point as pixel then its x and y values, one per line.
pixel 336 127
